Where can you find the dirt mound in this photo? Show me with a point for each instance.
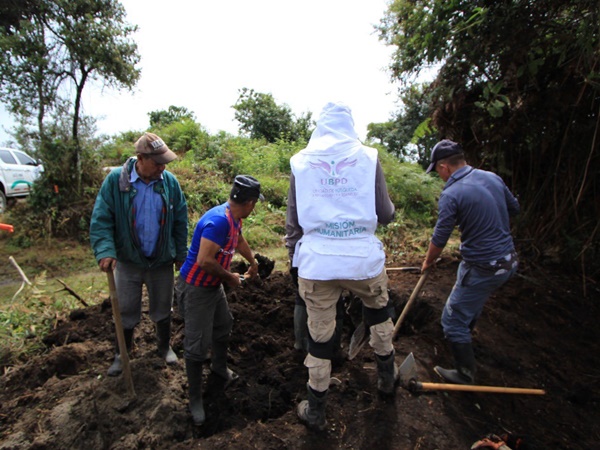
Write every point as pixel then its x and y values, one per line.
pixel 535 332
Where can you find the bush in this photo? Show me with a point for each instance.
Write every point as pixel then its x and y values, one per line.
pixel 413 192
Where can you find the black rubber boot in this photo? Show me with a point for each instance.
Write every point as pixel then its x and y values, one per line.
pixel 387 373
pixel 194 376
pixel 117 366
pixel 163 337
pixel 300 328
pixel 312 411
pixel 464 362
pixel 218 363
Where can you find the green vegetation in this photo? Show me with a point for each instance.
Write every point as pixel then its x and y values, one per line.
pixel 28 312
pixel 205 168
pixel 260 117
pixel 523 104
pixel 49 48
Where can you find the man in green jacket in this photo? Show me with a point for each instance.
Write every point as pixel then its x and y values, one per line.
pixel 139 229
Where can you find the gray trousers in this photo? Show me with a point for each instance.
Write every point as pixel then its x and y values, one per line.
pixel 206 316
pixel 129 280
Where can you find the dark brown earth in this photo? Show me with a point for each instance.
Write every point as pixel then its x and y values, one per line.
pixel 536 332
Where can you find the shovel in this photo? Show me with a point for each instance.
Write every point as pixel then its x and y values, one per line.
pixel 120 335
pixel 360 336
pixel 408 378
pixel 358 340
pixel 410 301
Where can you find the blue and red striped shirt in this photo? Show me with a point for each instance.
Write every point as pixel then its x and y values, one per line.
pixel 218 226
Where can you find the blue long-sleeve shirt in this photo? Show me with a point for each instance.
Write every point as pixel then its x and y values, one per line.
pixel 480 204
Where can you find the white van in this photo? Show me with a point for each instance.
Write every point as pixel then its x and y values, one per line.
pixel 18 171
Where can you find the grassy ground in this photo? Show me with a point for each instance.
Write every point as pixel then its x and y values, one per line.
pixel 28 311
pixel 74 264
pixel 68 261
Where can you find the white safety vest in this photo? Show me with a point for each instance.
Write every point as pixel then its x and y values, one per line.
pixel 335 199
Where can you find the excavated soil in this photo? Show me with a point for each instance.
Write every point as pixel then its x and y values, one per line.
pixel 536 332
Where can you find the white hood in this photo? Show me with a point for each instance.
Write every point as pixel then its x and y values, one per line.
pixel 335 129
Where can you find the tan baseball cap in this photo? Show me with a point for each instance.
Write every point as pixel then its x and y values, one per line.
pixel 150 144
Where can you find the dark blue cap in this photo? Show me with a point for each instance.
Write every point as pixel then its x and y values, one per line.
pixel 442 150
pixel 245 188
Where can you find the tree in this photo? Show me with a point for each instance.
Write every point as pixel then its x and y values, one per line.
pixel 97 47
pixel 29 73
pixel 409 134
pixel 65 40
pixel 172 114
pixel 518 86
pixel 261 117
pixel 12 12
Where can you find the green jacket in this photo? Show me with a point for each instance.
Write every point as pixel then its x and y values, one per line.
pixel 112 231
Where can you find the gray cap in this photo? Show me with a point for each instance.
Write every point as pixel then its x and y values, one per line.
pixel 442 150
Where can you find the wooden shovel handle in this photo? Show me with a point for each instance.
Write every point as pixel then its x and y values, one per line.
pixel 114 301
pixel 474 388
pixel 410 301
pixel 403 269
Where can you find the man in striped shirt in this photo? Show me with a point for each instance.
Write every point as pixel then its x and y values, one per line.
pixel 202 299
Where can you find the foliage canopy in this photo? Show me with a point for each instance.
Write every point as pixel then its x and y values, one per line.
pixel 519 87
pixel 261 117
pixel 52 48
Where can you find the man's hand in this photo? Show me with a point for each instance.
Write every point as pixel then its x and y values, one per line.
pixel 426 265
pixel 234 279
pixel 432 256
pixel 107 264
pixel 252 270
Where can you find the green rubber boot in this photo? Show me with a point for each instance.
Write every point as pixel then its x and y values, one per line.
pixel 312 411
pixel 194 376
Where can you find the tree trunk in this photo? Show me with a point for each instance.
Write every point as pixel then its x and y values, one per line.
pixel 77 108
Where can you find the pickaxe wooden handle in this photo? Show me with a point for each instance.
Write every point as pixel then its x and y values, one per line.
pixel 114 301
pixel 417 385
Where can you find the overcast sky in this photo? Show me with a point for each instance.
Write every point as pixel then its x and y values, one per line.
pixel 198 54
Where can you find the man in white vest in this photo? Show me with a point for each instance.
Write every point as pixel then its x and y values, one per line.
pixel 337 196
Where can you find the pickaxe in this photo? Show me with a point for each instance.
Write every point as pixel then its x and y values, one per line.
pixel 409 380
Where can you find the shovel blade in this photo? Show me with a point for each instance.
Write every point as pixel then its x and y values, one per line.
pixel 408 370
pixel 358 340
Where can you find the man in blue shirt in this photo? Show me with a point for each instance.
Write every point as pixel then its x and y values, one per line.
pixel 480 204
pixel 202 300
pixel 139 229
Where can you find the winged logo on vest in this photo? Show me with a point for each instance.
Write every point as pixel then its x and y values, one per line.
pixel 333 169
